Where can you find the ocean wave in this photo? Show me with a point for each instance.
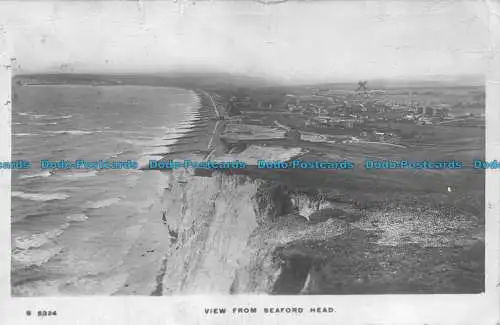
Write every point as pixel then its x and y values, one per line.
pixel 188 119
pixel 40 197
pixel 103 203
pixel 24 134
pixel 63 117
pixel 78 217
pixel 173 136
pixel 90 173
pixel 35 257
pixel 169 142
pixel 157 151
pixel 159 127
pixel 124 132
pixel 38 240
pixel 32 115
pixel 42 174
pixel 151 143
pixel 116 155
pixel 71 132
pixel 46 123
pixel 185 123
pixel 185 128
pixel 177 131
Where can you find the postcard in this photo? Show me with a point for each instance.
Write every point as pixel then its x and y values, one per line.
pixel 254 162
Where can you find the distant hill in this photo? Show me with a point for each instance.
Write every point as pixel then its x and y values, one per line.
pixel 436 81
pixel 208 81
pixel 224 82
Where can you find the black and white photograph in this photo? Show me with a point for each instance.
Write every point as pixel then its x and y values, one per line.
pixel 229 148
pixel 341 228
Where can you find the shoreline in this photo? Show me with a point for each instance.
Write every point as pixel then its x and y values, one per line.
pixel 194 140
pixel 192 144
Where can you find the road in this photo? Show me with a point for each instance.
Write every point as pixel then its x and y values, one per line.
pixel 216 108
pixel 219 125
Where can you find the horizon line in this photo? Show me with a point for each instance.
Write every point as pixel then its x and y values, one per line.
pixel 434 77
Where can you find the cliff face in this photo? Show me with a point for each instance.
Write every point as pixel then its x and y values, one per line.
pixel 237 235
pixel 214 218
pixel 230 231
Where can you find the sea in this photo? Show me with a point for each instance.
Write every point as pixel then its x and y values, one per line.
pixel 91 232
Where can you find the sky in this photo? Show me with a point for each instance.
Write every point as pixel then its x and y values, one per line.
pixel 292 41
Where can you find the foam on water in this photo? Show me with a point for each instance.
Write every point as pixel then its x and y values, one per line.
pixel 186 127
pixel 172 136
pixel 119 153
pixel 41 174
pixel 25 134
pixel 38 240
pixel 103 203
pixel 35 257
pixel 185 123
pixel 72 132
pixel 90 173
pixel 177 131
pixel 47 123
pixel 63 117
pixel 78 217
pixel 30 115
pixel 39 197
